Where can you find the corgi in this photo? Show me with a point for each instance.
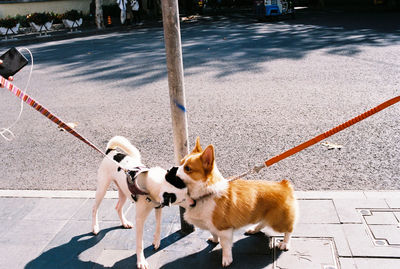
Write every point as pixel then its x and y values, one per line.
pixel 221 206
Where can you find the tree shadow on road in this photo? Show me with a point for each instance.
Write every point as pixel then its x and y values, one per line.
pixel 229 45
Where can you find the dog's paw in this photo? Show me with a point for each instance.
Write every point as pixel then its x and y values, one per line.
pixel 96 230
pixel 142 265
pixel 156 244
pixel 127 225
pixel 213 239
pixel 283 246
pixel 226 261
pixel 251 231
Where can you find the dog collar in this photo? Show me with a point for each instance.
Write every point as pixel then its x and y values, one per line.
pixel 199 199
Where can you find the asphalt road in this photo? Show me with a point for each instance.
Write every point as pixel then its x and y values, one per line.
pixel 253 89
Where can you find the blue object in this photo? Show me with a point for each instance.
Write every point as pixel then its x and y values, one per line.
pixel 272 10
pixel 181 107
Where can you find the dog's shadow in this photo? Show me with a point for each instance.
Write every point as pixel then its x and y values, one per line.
pixel 130 262
pixel 67 255
pixel 249 252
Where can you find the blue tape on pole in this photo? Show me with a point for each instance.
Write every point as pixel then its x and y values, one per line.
pixel 181 107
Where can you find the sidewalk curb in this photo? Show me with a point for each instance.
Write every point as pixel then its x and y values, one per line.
pixel 54 194
pixel 300 195
pixel 65 34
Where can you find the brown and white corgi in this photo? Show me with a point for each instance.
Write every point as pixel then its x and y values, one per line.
pixel 221 206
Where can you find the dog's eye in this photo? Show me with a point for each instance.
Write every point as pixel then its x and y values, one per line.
pixel 187 168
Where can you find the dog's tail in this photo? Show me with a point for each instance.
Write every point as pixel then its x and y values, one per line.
pixel 124 144
pixel 286 184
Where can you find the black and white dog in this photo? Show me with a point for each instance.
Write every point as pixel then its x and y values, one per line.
pixel 148 187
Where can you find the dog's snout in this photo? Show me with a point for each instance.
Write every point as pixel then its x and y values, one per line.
pixel 173 179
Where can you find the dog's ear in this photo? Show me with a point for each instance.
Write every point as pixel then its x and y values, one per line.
pixel 207 158
pixel 173 179
pixel 197 147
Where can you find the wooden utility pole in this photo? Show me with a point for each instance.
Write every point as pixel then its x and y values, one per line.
pixel 172 37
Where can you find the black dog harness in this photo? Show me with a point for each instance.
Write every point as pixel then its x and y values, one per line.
pixel 134 188
pixel 131 176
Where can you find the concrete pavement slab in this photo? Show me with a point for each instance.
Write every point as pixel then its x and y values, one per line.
pixel 382 194
pixel 106 211
pixel 393 203
pixel 373 263
pixel 397 214
pixel 362 245
pixel 318 195
pixel 72 249
pixel 317 211
pixel 26 240
pixel 112 257
pixel 311 253
pixel 389 233
pixel 325 231
pixel 16 208
pixel 347 263
pixel 55 194
pixel 65 240
pixel 348 210
pixel 383 226
pixel 381 217
pixel 54 208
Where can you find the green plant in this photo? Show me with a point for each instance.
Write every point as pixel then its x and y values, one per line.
pixel 72 15
pixel 40 18
pixel 22 20
pixel 8 22
pixel 57 18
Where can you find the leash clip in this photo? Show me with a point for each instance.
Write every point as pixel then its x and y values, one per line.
pixel 257 168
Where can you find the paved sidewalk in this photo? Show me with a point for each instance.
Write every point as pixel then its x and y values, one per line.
pixel 62 34
pixel 50 229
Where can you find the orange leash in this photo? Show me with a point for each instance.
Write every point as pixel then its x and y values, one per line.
pixel 320 137
pixel 333 131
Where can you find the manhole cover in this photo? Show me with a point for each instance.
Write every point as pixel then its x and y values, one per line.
pixel 382 226
pixel 306 252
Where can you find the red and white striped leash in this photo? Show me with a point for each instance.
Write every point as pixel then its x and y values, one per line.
pixel 60 123
pixel 45 112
